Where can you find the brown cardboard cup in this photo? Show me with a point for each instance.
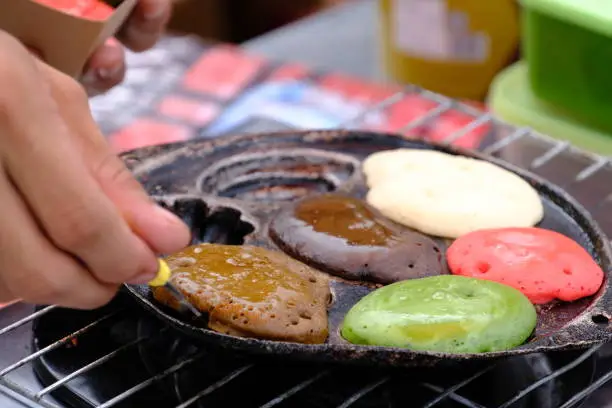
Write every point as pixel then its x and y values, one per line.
pixel 65 41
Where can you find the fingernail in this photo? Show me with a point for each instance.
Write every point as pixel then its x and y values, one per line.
pixel 143 279
pixel 93 92
pixel 91 83
pixel 106 73
pixel 35 52
pixel 163 231
pixel 168 216
pixel 146 277
pixel 176 232
pixel 154 12
pixel 89 78
pixel 112 42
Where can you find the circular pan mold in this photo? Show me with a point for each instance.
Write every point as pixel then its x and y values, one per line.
pixel 561 326
pixel 277 174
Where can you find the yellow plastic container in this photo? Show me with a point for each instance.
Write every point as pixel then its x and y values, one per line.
pixel 453 47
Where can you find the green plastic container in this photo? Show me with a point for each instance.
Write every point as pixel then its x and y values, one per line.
pixel 512 100
pixel 568 47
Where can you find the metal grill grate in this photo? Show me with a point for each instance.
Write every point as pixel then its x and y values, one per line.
pixel 579 172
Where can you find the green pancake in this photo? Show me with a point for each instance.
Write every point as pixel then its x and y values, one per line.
pixel 449 314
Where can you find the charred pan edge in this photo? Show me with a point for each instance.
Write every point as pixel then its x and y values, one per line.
pixel 589 328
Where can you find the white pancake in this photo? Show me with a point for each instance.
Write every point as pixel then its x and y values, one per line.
pixel 449 196
pixel 379 167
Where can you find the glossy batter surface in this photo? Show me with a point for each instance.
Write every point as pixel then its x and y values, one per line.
pixel 346 237
pixel 346 218
pixel 450 314
pixel 252 292
pixel 543 264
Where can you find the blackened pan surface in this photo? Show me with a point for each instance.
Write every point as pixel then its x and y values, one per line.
pixel 227 189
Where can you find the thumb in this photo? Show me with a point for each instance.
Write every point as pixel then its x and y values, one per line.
pixel 159 228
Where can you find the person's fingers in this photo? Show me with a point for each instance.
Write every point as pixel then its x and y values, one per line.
pixel 34 270
pixel 41 158
pixel 159 228
pixel 35 52
pixel 73 210
pixel 105 69
pixel 146 24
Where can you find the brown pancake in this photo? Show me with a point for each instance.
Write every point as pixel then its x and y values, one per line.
pixel 249 291
pixel 345 237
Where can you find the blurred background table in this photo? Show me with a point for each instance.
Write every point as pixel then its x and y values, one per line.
pixel 342 38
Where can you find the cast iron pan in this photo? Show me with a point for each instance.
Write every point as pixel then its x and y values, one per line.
pixel 226 190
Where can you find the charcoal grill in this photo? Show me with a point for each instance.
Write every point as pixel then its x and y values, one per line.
pixel 120 357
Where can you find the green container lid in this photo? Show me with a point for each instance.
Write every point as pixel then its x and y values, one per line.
pixel 595 15
pixel 511 99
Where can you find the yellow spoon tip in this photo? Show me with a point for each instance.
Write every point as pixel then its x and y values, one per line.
pixel 163 274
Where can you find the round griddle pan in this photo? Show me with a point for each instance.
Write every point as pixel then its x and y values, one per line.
pixel 227 189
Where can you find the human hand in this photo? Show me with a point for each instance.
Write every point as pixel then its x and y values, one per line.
pixel 106 68
pixel 75 223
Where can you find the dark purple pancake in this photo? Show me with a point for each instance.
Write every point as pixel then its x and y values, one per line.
pixel 345 237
